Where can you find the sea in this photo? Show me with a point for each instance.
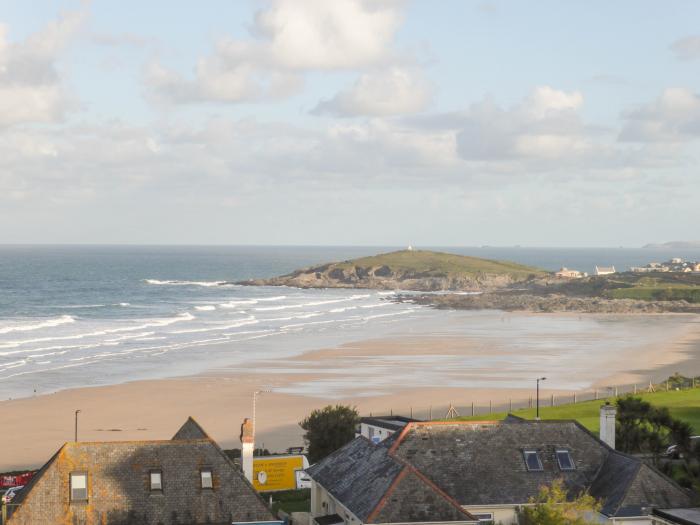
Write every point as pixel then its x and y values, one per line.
pixel 77 316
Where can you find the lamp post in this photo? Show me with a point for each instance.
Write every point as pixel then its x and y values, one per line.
pixel 537 416
pixel 76 424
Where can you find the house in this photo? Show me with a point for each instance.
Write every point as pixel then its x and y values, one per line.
pixel 378 428
pixel 488 469
pixel 604 270
pixel 185 480
pixel 566 273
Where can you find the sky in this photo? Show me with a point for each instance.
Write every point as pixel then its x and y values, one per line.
pixel 350 122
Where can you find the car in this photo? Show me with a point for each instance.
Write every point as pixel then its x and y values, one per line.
pixel 673 452
pixel 10 494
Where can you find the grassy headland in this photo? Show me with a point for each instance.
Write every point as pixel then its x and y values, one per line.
pixel 420 270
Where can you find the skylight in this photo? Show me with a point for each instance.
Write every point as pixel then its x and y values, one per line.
pixel 532 460
pixel 565 461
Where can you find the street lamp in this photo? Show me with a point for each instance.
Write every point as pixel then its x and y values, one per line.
pixel 537 416
pixel 76 424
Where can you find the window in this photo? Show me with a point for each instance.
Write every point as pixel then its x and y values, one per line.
pixel 565 461
pixel 483 516
pixel 156 480
pixel 532 460
pixel 206 478
pixel 78 486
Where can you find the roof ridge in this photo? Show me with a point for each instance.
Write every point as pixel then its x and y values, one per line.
pixel 638 467
pixel 408 468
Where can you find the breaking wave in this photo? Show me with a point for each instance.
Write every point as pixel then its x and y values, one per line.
pixel 64 319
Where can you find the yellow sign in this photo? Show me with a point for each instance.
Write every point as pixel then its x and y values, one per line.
pixel 276 472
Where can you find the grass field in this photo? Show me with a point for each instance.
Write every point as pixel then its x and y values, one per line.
pixel 683 404
pixel 437 263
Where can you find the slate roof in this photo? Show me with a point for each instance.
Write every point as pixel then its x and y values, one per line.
pixel 370 483
pixel 118 480
pixel 388 422
pixel 680 516
pixel 481 463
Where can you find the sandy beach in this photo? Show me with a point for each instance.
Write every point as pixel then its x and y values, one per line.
pixel 419 375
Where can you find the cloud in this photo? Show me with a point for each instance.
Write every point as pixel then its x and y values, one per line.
pixel 673 117
pixel 317 34
pixel 390 92
pixel 544 125
pixel 687 48
pixel 288 38
pixel 30 86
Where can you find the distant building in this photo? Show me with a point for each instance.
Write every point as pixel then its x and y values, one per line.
pixel 451 472
pixel 379 428
pixel 604 270
pixel 566 273
pixel 187 479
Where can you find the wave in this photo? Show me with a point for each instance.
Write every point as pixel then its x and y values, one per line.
pixel 236 324
pixel 64 319
pixel 176 282
pixel 312 303
pixel 153 323
pixel 341 310
pixel 277 298
pixel 205 308
pixel 236 304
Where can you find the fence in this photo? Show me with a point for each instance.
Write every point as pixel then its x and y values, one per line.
pixel 463 408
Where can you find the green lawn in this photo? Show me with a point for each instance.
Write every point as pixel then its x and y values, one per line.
pixel 683 404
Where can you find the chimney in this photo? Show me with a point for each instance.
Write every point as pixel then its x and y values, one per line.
pixel 247 447
pixel 607 424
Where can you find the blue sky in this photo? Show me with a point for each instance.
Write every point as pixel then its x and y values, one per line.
pixel 350 122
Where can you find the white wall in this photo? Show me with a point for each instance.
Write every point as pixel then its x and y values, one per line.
pixel 372 431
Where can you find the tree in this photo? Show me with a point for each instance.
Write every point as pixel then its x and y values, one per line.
pixel 642 427
pixel 551 507
pixel 329 429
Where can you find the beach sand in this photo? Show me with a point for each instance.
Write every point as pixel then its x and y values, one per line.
pixel 419 375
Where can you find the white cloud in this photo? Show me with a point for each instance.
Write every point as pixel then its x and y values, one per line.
pixel 30 86
pixel 390 92
pixel 687 48
pixel 288 38
pixel 318 34
pixel 673 117
pixel 544 125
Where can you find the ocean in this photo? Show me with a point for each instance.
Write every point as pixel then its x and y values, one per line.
pixel 75 316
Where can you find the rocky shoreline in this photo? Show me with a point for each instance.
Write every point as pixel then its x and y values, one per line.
pixel 551 303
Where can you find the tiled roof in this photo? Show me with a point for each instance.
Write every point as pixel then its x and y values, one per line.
pixel 481 463
pixel 118 480
pixel 375 486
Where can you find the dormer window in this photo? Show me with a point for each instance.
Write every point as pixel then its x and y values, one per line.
pixel 78 486
pixel 532 460
pixel 564 460
pixel 206 479
pixel 156 477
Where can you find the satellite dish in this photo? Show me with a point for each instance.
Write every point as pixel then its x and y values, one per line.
pixel 262 477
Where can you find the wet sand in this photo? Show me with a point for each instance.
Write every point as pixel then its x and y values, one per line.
pixel 400 374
